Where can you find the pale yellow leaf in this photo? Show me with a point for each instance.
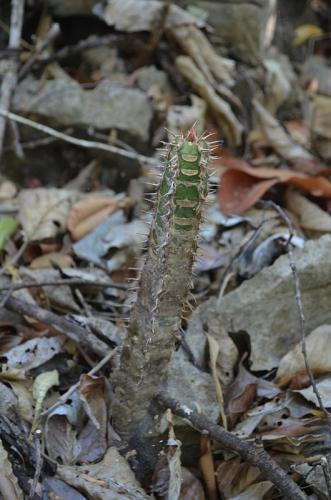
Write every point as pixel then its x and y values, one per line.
pixel 306 32
pixel 41 386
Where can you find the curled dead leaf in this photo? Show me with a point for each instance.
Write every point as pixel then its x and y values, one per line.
pixel 86 214
pixel 242 185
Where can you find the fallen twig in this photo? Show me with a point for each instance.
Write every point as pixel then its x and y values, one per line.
pixel 82 336
pixel 144 56
pixel 133 155
pixel 69 281
pixel 252 454
pixel 10 77
pixel 52 33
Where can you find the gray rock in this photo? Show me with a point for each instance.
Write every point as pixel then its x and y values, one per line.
pixel 109 105
pixel 191 386
pixel 265 305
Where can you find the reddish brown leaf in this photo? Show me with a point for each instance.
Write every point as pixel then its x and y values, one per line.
pixel 242 185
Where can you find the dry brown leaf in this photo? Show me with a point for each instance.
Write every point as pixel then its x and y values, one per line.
pixel 310 215
pixel 47 260
pixel 242 185
pixel 86 214
pixel 318 346
pixel 240 395
pixel 206 464
pixel 233 476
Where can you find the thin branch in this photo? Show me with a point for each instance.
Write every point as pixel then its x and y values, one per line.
pixel 156 34
pixel 73 331
pixel 78 142
pixel 52 33
pixel 64 398
pixel 9 80
pixel 252 454
pixel 69 281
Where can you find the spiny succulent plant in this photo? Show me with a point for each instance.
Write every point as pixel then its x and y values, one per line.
pixel 164 283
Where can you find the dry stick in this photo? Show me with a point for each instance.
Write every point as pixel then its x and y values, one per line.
pixel 83 337
pixel 78 142
pixel 145 55
pixel 52 33
pixel 10 78
pixel 64 398
pixel 69 281
pixel 250 453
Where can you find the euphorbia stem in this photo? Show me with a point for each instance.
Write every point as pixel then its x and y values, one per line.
pixel 164 284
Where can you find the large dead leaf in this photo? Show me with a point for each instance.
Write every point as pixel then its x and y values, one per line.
pixel 310 215
pixel 109 479
pixel 233 476
pixel 242 185
pixel 43 212
pixel 62 426
pixel 87 214
pixel 32 353
pixel 318 346
pixel 207 467
pixel 240 395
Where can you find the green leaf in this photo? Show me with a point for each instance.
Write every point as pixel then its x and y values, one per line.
pixel 7 228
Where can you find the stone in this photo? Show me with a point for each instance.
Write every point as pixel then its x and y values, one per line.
pixel 191 386
pixel 108 105
pixel 265 306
